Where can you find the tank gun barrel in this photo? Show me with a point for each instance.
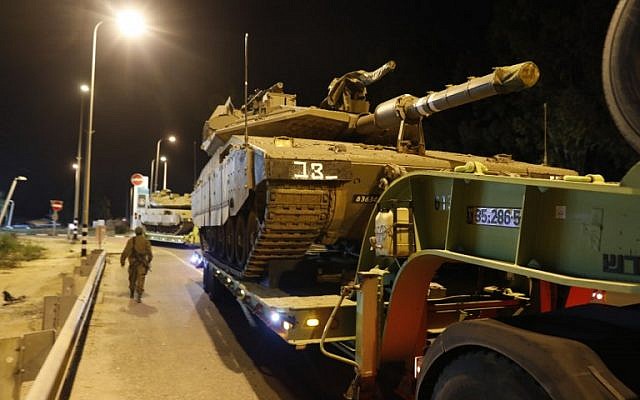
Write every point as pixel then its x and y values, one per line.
pixel 411 109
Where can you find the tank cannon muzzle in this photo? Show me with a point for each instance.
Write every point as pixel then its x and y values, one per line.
pixel 503 80
pixel 411 109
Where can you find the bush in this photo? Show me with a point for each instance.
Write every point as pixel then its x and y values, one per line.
pixel 32 251
pixel 13 251
pixel 121 227
pixel 8 244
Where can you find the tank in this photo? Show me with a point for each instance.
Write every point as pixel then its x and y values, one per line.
pixel 167 213
pixel 284 180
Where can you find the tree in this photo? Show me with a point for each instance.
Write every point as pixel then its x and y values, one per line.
pixel 565 39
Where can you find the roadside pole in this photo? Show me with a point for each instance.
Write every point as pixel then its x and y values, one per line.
pixel 56 205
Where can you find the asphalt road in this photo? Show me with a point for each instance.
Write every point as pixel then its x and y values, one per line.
pixel 177 344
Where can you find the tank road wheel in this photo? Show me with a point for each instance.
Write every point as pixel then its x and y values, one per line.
pixel 218 240
pixel 241 241
pixel 485 375
pixel 230 241
pixel 253 227
pixel 205 244
pixel 213 239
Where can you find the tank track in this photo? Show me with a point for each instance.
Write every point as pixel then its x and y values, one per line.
pixel 293 220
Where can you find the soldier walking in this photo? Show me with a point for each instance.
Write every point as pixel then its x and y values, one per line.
pixel 138 251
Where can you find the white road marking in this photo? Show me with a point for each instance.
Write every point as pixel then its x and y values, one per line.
pixel 180 259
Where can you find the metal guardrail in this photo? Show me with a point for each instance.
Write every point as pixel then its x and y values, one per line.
pixel 53 372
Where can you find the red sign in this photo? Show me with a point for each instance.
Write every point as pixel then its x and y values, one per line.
pixel 56 205
pixel 137 179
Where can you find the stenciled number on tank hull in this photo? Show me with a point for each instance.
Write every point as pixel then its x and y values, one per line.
pixel 312 170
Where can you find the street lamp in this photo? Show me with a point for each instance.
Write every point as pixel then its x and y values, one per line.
pixel 153 162
pixel 171 139
pixel 164 181
pixel 126 22
pixel 8 198
pixel 84 88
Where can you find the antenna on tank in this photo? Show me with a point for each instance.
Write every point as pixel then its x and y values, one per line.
pixel 246 87
pixel 545 161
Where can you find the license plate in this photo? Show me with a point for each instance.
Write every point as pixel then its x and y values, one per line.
pixel 494 216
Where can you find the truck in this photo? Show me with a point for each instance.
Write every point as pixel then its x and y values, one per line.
pixel 468 281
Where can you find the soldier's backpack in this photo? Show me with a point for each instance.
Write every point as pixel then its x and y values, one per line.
pixel 138 257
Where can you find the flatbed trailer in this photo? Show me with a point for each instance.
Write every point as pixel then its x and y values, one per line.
pixel 477 277
pixel 297 319
pixel 189 239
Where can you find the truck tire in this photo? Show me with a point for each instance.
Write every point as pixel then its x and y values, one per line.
pixel 482 374
pixel 621 72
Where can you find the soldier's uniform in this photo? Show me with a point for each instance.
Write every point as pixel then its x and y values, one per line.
pixel 138 251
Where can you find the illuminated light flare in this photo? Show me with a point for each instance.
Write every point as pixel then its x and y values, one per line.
pixel 311 322
pixel 131 23
pixel 598 296
pixel 274 317
pixel 195 259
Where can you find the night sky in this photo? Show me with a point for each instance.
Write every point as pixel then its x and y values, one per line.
pixel 170 80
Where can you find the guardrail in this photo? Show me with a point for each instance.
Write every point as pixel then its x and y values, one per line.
pixel 52 374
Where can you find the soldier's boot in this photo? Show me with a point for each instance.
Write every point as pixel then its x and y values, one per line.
pixel 139 297
pixel 131 293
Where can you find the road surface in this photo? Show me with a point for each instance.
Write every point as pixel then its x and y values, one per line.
pixel 176 344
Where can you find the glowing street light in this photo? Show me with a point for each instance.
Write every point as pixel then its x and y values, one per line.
pixel 8 199
pixel 130 23
pixel 171 139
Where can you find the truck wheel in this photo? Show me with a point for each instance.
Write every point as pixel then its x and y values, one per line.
pixel 620 72
pixel 486 375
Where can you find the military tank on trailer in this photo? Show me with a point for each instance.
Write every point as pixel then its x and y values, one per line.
pixel 283 178
pixel 167 216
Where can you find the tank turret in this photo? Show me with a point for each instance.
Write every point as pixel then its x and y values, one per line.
pixel 344 114
pixel 309 176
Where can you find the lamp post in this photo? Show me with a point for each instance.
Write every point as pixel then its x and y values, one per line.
pixel 76 198
pixel 164 180
pixel 171 139
pixel 153 162
pixel 8 198
pixel 131 24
